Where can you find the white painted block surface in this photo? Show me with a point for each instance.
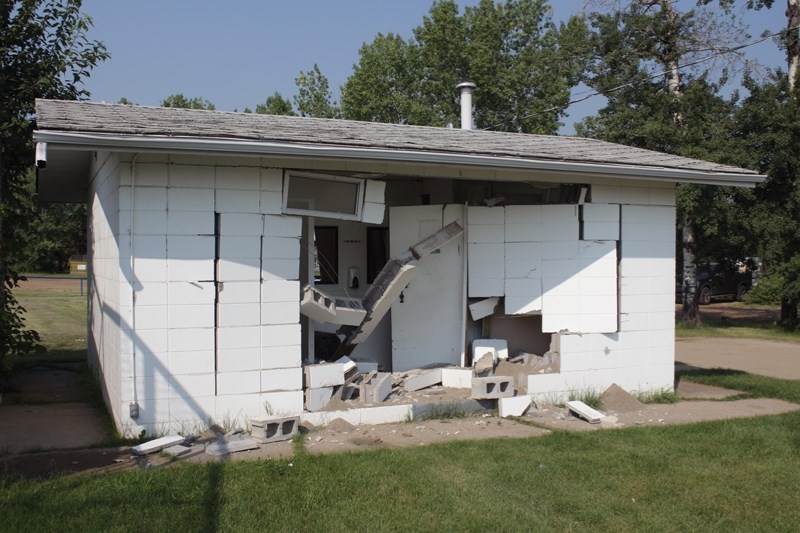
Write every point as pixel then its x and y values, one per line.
pixel 198 362
pixel 240 292
pixel 280 335
pixel 486 215
pixel 147 294
pixel 194 199
pixel 239 382
pixel 280 356
pixel 238 337
pixel 190 270
pixel 324 375
pixel 191 339
pixel 280 379
pixel 190 223
pixel 272 179
pixel 232 247
pixel 483 308
pixel 523 305
pixel 375 191
pixel 485 287
pixel 190 316
pixel 237 201
pixel 150 317
pixel 368 415
pixel 280 312
pixel 584 411
pixel 523 232
pixel 457 378
pixel 317 399
pixel 597 212
pixel 144 222
pixel 477 233
pixel 280 291
pixel 190 247
pixel 547 383
pixel 486 266
pixel 514 406
pixel 240 269
pixel 281 248
pixel 240 224
pixel 232 315
pixel 238 177
pixel 191 385
pixel 280 269
pixel 283 226
pixel 516 287
pixel 423 380
pixel 373 213
pixel 271 203
pixel 283 403
pixel 189 293
pixel 190 176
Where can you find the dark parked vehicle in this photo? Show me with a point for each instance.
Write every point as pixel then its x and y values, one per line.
pixel 719 281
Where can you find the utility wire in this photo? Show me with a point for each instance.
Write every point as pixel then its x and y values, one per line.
pixel 592 93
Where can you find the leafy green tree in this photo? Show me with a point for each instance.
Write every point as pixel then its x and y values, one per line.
pixel 522 63
pixel 314 97
pixel 275 104
pixel 179 100
pixel 44 53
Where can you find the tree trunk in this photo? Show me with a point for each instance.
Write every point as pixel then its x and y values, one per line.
pixel 789 313
pixel 793 39
pixel 691 309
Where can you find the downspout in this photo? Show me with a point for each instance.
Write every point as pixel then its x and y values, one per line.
pixel 134 406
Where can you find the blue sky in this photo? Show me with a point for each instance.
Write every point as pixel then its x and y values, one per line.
pixel 237 55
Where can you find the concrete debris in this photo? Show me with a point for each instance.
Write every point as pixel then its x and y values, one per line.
pixel 317 399
pixel 618 400
pixel 609 421
pixel 582 410
pixel 157 445
pixel 457 378
pixel 423 380
pixel 484 364
pixel 498 348
pixel 324 375
pixel 238 443
pixel 177 450
pixel 514 406
pixel 274 429
pixel 340 425
pixel 483 308
pixel 376 387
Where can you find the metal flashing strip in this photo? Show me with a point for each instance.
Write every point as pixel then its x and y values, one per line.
pixel 230 146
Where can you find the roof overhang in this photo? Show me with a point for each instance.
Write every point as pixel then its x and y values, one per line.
pixel 64 173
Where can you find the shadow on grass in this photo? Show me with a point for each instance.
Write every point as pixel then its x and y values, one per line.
pixel 752 384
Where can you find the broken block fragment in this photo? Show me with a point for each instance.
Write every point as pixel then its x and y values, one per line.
pixel 324 375
pixel 376 387
pixel 273 429
pixel 424 380
pixel 317 399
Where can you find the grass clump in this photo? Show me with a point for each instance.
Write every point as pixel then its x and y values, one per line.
pixel 445 411
pixel 589 396
pixel 658 396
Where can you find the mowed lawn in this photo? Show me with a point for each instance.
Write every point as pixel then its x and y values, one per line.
pixel 59 316
pixel 739 475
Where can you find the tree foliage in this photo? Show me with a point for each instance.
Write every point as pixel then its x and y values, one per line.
pixel 522 63
pixel 275 104
pixel 180 101
pixel 44 53
pixel 314 98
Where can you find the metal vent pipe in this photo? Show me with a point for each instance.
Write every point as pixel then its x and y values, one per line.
pixel 466 89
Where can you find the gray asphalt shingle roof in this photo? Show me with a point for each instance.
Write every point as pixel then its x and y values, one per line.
pixel 115 119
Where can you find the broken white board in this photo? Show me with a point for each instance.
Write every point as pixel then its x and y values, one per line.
pixel 483 308
pixel 157 445
pixel 584 411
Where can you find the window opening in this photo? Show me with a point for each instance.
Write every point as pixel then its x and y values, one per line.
pixel 326 255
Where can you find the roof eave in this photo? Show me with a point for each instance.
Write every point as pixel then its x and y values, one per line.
pixel 223 146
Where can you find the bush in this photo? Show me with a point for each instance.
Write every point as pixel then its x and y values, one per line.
pixel 767 291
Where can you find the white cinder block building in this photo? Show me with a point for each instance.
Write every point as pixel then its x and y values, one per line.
pixel 205 227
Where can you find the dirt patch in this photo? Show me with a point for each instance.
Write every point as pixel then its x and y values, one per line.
pixel 53 284
pixel 617 400
pixel 734 312
pixel 756 356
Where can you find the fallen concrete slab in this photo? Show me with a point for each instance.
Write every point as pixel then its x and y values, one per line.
pixel 514 406
pixel 584 411
pixel 231 446
pixel 423 380
pixel 157 445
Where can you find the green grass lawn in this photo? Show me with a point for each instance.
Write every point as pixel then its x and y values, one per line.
pixel 740 329
pixel 60 319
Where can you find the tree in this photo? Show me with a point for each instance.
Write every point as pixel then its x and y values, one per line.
pixel 522 63
pixel 275 105
pixel 178 100
pixel 314 97
pixel 44 53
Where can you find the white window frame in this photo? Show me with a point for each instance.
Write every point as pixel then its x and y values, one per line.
pixel 323 214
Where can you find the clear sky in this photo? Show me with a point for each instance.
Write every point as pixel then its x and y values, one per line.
pixel 236 53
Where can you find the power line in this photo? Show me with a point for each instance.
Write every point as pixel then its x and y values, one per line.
pixel 593 93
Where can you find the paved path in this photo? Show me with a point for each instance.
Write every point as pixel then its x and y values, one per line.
pixel 767 358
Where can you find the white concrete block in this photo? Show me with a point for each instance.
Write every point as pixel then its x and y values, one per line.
pixel 194 176
pixel 523 232
pixel 146 294
pixel 375 191
pixel 457 378
pixel 597 212
pixel 190 223
pixel 523 305
pixel 597 286
pixel 560 231
pixel 239 382
pixel 282 379
pixel 188 292
pixel 280 335
pixel 239 359
pixel 157 445
pixel 148 270
pixel 523 269
pixel 240 292
pixel 283 226
pixel 280 291
pixel 272 179
pixel 600 231
pixel 559 213
pixel 144 247
pixel 191 410
pixel 271 203
pixel 190 316
pixel 232 315
pixel 231 247
pixel 198 200
pixel 190 270
pixel 514 406
pixel 368 415
pixel 281 248
pixel 605 194
pixel 486 215
pixel 283 403
pixel 144 222
pixel 485 287
pixel 241 224
pixel 237 201
pixel 494 233
pixel 145 198
pixel 517 287
pixel 524 214
pixel 373 213
pixel 240 269
pixel 191 385
pixel 190 247
pixel 593 304
pixel 198 362
pixel 584 411
pixel 547 383
pixel 662 196
pixel 598 249
pixel 323 375
pixel 634 195
pixel 150 317
pixel 483 308
pixel 191 339
pixel 280 356
pixel 238 176
pixel 497 347
pixel 317 399
pixel 529 252
pixel 423 380
pixel 281 269
pixel 280 312
pixel 238 337
pixel 483 266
